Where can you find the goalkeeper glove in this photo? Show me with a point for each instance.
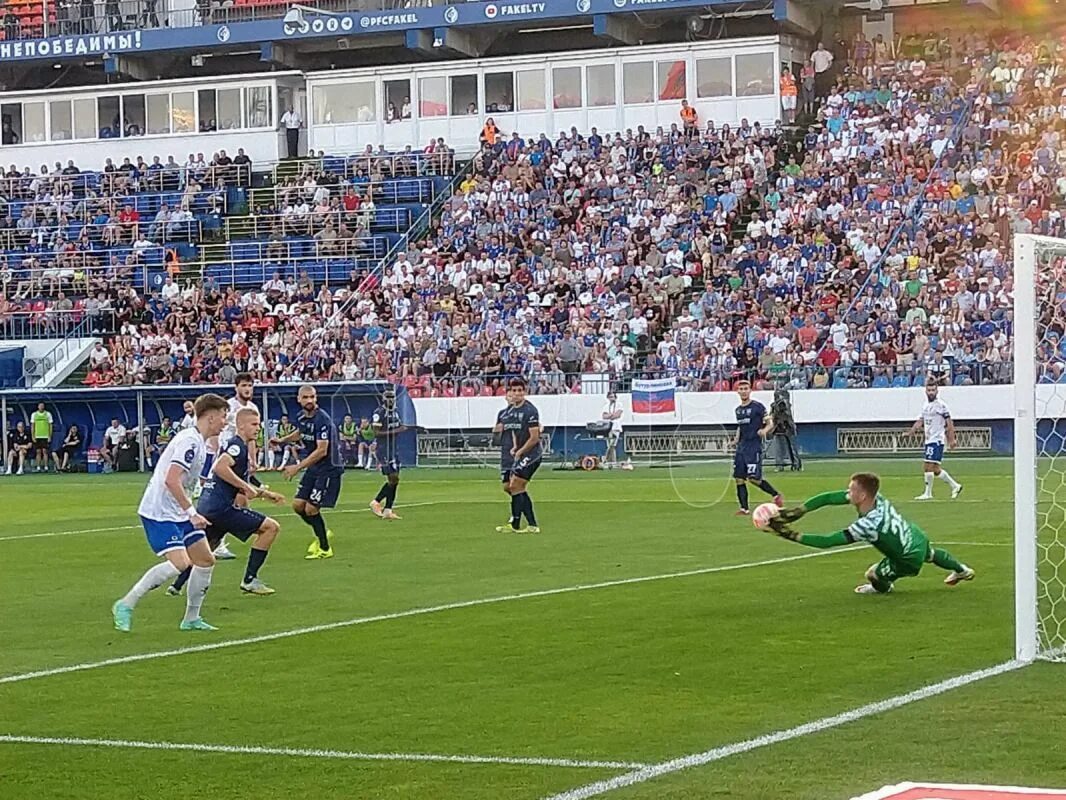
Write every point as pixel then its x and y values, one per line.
pixel 783 529
pixel 791 514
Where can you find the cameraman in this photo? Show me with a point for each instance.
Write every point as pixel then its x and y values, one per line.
pixel 784 433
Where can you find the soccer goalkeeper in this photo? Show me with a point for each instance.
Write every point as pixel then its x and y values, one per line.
pixel 903 544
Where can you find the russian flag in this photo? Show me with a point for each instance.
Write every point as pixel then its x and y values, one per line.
pixel 654 396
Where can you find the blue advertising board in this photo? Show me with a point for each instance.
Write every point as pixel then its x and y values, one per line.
pixel 313 25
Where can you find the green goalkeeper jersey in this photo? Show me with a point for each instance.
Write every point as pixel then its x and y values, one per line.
pixel 882 526
pixel 886 529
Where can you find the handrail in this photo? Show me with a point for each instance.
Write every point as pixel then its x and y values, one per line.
pixel 362 165
pixel 231 175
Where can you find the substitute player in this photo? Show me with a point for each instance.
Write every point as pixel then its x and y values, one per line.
pixel 753 425
pixel 517 431
pixel 42 428
pixel 903 544
pixel 939 430
pixel 221 502
pixel 320 485
pixel 368 446
pixel 173 527
pixel 387 427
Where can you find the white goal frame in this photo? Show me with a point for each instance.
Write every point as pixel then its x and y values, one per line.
pixel 1026 410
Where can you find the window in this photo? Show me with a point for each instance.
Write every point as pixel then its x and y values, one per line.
pixel 62 121
pixel 158 116
pixel 85 118
pixel 107 115
pixel 397 100
pixel 33 122
pixel 344 103
pixel 229 109
pixel 714 77
pixel 566 87
pixel 183 112
pixel 463 94
pixel 133 115
pixel 531 90
pixel 208 110
pixel 257 110
pixel 672 84
pixel 433 97
pixel 499 92
pixel 755 74
pixel 637 82
pixel 601 88
pixel 11 117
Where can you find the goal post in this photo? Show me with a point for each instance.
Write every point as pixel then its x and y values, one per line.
pixel 1039 447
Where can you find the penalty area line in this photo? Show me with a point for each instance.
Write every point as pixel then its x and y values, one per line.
pixel 302 752
pixel 645 774
pixel 413 612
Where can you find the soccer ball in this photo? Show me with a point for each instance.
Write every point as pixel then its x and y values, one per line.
pixel 763 514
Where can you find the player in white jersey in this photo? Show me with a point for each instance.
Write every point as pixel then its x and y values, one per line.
pixel 175 531
pixel 939 429
pixel 243 386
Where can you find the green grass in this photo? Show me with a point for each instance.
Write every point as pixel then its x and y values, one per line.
pixel 640 672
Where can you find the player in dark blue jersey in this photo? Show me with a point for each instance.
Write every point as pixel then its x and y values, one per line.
pixel 224 503
pixel 387 428
pixel 320 485
pixel 753 425
pixel 517 431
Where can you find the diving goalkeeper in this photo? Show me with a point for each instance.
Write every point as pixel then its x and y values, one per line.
pixel 903 544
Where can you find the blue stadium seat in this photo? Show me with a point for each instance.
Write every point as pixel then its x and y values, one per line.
pixel 880 382
pixel 901 381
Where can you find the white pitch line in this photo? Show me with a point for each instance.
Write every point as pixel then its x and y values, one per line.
pixel 68 533
pixel 300 752
pixel 413 612
pixel 727 751
pixel 975 544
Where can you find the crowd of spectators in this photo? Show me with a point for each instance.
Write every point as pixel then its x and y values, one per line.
pixel 871 246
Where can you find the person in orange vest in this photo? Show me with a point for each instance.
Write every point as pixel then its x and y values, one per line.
pixel 689 120
pixel 788 95
pixel 490 133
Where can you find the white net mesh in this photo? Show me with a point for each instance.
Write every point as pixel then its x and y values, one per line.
pixel 1050 271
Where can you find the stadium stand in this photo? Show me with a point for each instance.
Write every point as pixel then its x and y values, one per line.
pixel 866 246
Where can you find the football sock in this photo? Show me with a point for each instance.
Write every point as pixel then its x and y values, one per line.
pixel 256 557
pixel 383 492
pixel 516 510
pixel 928 483
pixel 528 508
pixel 742 495
pixel 948 479
pixel 199 583
pixel 766 487
pixel 880 585
pixel 183 578
pixel 152 579
pixel 390 498
pixel 945 560
pixel 318 525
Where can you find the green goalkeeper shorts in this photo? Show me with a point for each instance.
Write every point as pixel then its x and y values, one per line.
pixel 910 564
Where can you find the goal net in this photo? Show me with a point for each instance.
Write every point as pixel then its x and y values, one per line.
pixel 1040 447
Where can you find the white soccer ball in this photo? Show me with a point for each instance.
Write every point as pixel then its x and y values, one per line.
pixel 763 514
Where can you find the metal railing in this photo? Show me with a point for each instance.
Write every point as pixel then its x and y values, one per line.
pixel 73 18
pixel 260 226
pixel 164 179
pixel 366 165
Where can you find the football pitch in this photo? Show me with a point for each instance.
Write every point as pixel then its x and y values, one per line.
pixel 647 644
